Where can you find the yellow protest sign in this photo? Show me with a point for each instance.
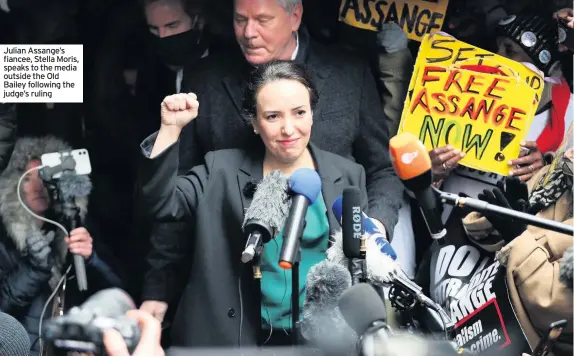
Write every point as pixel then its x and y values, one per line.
pixel 477 101
pixel 416 17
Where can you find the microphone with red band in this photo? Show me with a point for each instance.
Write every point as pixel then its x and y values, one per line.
pixel 413 166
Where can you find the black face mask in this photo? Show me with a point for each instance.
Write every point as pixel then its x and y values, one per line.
pixel 177 50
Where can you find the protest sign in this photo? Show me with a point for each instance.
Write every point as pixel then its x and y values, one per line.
pixel 475 100
pixel 416 17
pixel 472 288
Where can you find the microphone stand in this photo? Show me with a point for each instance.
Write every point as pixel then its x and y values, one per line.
pixel 295 298
pixel 482 206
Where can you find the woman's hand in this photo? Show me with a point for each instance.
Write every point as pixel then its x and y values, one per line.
pixel 444 159
pixel 80 242
pixel 178 110
pixel 565 15
pixel 528 162
pixel 149 344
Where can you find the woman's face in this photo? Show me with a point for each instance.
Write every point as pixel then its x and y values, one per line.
pixel 34 191
pixel 284 119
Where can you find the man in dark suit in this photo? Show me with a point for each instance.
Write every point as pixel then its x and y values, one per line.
pixel 348 119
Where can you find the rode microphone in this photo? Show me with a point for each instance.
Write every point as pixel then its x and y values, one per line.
pixel 371 231
pixel 354 244
pixel 305 184
pixel 413 166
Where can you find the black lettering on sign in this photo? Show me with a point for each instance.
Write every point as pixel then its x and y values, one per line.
pixel 416 17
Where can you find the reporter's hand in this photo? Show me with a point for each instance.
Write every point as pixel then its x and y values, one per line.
pixel 444 159
pixel 156 308
pixel 80 242
pixel 149 344
pixel 178 110
pixel 528 163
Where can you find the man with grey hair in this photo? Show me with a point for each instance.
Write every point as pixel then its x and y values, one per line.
pixel 348 121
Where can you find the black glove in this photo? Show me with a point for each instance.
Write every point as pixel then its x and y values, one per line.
pixel 39 249
pixel 506 226
pixel 515 192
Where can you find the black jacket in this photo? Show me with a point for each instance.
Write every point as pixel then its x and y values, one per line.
pixel 213 196
pixel 7 133
pixel 348 120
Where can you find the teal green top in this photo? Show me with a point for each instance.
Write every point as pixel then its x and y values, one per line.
pixel 276 282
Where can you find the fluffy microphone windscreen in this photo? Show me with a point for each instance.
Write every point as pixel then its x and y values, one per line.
pixel 271 202
pixel 411 161
pixel 72 185
pixel 322 324
pixel 566 268
pixel 111 302
pixel 14 340
pixel 361 306
pixel 306 182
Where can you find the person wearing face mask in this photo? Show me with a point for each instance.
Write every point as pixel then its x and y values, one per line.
pixel 217 307
pixel 33 253
pixel 177 35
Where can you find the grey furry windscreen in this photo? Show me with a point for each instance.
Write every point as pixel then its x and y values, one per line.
pixel 271 203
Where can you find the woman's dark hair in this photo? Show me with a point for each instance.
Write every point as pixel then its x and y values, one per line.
pixel 270 72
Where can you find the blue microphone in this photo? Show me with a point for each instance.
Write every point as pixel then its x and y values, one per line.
pixel 369 228
pixel 305 186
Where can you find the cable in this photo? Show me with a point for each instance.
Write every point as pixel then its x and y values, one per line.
pixel 46 305
pixel 65 275
pixel 28 209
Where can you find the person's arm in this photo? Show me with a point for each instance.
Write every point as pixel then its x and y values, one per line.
pixel 20 286
pixel 7 133
pixel 165 280
pixel 533 263
pixel 164 195
pixel 371 149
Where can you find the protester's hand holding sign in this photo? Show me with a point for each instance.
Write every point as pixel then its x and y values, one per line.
pixel 444 159
pixel 528 163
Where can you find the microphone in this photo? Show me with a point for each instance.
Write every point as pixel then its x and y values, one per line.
pixel 322 323
pixel 14 340
pixel 388 272
pixel 83 327
pixel 306 186
pixel 413 166
pixel 354 246
pixel 371 231
pixel 70 187
pixel 366 314
pixel 566 267
pixel 266 214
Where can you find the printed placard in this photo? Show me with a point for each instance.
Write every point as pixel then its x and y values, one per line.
pixel 477 101
pixel 472 288
pixel 416 17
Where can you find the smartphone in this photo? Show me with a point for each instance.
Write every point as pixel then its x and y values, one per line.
pixel 546 343
pixel 80 156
